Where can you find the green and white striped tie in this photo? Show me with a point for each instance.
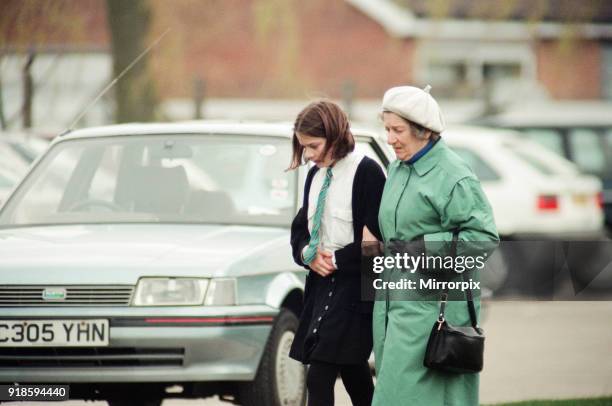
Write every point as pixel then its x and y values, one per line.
pixel 311 252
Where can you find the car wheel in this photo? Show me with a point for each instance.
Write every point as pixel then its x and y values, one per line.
pixel 280 380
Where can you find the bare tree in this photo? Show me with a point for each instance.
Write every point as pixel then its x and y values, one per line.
pixel 135 93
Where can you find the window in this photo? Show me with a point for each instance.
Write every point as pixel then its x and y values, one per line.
pixel 501 71
pixel 532 161
pixel 163 178
pixel 591 151
pixel 482 170
pixel 449 79
pixel 548 138
pixel 46 190
pixel 104 181
pixel 461 68
pixel 367 149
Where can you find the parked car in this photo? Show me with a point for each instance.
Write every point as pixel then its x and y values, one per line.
pixel 534 192
pixel 580 131
pixel 12 168
pixel 135 258
pixel 538 199
pixel 27 146
pixel 8 179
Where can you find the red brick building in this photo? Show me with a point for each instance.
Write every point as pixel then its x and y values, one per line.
pixel 292 49
pixel 297 49
pixel 263 48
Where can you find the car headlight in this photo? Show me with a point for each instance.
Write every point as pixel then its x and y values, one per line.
pixel 170 292
pixel 221 292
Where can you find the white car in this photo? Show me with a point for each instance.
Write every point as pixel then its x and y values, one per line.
pixel 12 168
pixel 540 201
pixel 580 131
pixel 27 146
pixel 534 192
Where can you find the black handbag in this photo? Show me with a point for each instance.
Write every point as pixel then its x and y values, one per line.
pixel 452 348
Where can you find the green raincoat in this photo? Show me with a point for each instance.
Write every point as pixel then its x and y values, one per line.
pixel 430 198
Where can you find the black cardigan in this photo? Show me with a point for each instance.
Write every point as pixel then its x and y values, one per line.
pixel 367 190
pixel 335 325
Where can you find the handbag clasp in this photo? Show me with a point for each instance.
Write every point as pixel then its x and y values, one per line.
pixel 443 301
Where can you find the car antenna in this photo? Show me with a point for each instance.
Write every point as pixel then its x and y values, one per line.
pixel 112 82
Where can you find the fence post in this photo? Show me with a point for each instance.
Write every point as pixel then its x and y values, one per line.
pixel 199 88
pixel 2 117
pixel 348 94
pixel 28 90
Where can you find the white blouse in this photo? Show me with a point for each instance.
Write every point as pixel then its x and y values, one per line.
pixel 337 223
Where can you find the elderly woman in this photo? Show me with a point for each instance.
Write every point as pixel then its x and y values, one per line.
pixel 430 194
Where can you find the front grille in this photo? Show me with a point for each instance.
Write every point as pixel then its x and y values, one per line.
pixel 75 295
pixel 90 357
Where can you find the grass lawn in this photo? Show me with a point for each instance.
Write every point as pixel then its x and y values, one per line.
pixel 568 402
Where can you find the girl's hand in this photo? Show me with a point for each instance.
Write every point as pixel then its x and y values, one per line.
pixel 322 264
pixel 328 257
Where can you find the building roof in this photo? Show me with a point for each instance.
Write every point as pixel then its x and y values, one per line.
pixel 554 114
pixel 494 20
pixel 562 11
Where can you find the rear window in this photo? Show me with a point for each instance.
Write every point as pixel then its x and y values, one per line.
pixel 481 169
pixel 548 138
pixel 532 161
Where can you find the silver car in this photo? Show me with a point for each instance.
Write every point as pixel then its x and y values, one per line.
pixel 146 261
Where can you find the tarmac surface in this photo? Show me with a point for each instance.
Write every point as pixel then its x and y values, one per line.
pixel 534 350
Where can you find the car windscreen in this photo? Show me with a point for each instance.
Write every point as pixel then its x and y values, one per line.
pixel 222 179
pixel 532 161
pixel 591 150
pixel 484 172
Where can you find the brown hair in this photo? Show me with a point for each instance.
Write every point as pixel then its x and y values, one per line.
pixel 323 119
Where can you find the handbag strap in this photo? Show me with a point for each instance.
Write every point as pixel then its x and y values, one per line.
pixel 468 293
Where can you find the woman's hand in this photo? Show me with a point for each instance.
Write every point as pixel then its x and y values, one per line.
pixel 323 264
pixel 370 246
pixel 367 235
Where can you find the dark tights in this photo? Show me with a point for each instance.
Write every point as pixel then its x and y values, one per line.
pixel 356 379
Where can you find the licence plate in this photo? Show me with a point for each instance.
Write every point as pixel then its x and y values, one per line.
pixel 54 333
pixel 581 200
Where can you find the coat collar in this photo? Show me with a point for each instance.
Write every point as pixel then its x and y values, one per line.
pixel 421 152
pixel 428 161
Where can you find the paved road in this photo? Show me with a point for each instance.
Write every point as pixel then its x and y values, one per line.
pixel 535 350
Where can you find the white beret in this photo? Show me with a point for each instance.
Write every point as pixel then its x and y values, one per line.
pixel 416 105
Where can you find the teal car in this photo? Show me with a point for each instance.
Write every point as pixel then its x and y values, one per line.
pixel 146 261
